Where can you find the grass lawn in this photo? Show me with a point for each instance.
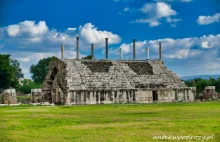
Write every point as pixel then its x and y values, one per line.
pixel 115 122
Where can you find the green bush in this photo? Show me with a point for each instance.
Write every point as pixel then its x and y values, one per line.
pixel 27 85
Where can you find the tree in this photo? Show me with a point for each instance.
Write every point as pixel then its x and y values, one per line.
pixel 27 85
pixel 40 70
pixel 7 73
pixel 18 70
pixel 87 57
pixel 217 84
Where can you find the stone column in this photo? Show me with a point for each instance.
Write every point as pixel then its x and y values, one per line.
pixel 99 97
pixel 77 98
pixel 82 97
pixel 124 96
pixel 107 98
pixel 74 97
pixel 93 97
pixel 33 96
pixel 51 98
pixel 68 98
pixel 147 51
pixel 113 95
pixel 128 96
pixel 92 51
pixel 117 97
pixel 160 51
pixel 62 51
pixel 106 48
pixel 77 47
pixel 134 50
pixel 56 98
pixel 90 97
pixel 120 52
pixel 134 96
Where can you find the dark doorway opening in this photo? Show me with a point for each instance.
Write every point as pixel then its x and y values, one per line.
pixel 155 96
pixel 54 74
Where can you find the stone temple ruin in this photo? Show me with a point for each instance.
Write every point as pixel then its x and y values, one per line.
pixel 209 93
pixel 77 81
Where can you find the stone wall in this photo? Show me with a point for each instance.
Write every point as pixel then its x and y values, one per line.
pixel 36 96
pixel 9 96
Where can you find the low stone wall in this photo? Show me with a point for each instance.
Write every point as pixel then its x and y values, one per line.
pixel 36 96
pixel 9 96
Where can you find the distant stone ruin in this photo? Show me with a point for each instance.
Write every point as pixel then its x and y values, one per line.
pixel 9 96
pixel 209 93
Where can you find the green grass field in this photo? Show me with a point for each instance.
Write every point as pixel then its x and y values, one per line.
pixel 116 122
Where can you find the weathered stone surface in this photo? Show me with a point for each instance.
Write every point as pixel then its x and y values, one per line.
pixel 103 81
pixel 36 96
pixel 9 96
pixel 209 93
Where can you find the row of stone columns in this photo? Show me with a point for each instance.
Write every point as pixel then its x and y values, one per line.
pixel 100 97
pixel 106 49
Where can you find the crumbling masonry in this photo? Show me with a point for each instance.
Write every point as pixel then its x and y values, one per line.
pixel 75 81
pixel 9 96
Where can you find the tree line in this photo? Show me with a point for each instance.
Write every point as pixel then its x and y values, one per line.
pixel 200 83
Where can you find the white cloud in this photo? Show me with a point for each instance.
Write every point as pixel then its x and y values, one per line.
pixel 185 0
pixel 31 35
pixel 206 20
pixel 28 28
pixel 173 25
pixel 183 54
pixel 91 34
pixel 205 44
pixel 154 24
pixel 71 29
pixel 212 66
pixel 173 0
pixel 170 20
pixel 13 30
pixel 126 9
pixel 27 59
pixel 156 12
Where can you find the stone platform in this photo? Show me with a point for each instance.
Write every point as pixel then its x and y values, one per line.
pixel 102 81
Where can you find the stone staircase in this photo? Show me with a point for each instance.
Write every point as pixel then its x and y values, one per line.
pixel 118 75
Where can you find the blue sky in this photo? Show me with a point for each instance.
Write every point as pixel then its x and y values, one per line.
pixel 188 29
